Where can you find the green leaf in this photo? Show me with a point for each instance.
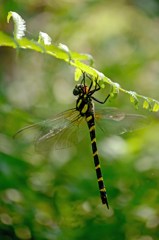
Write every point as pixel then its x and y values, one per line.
pixel 155 107
pixel 78 74
pixel 146 104
pixel 133 98
pixel 115 90
pixel 66 50
pixel 6 40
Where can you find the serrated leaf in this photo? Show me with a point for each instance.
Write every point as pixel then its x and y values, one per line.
pixel 44 38
pixel 65 49
pixel 78 74
pixel 115 90
pixel 133 98
pixel 19 24
pixel 146 104
pixel 155 107
pixel 107 80
pixel 29 44
pixel 82 57
pixel 90 58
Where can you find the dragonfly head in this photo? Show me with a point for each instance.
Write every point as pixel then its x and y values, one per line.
pixel 79 88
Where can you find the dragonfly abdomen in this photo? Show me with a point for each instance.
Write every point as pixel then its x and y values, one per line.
pixel 102 189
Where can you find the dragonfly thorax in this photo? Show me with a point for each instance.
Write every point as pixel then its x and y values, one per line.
pixel 84 101
pixel 84 105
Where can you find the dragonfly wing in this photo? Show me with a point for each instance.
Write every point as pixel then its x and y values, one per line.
pixel 113 121
pixel 58 138
pixel 58 132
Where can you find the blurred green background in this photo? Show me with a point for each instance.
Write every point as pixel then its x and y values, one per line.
pixel 55 196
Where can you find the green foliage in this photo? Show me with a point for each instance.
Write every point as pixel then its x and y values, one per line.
pixel 62 52
pixel 54 196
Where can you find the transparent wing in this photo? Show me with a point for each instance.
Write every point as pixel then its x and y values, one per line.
pixel 58 132
pixel 112 121
pixel 63 130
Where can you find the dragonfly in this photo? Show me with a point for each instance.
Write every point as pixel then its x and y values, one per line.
pixel 59 132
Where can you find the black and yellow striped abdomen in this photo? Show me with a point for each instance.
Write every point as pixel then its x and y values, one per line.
pixel 102 189
pixel 86 109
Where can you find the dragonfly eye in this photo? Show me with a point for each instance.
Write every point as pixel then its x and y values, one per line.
pixel 78 89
